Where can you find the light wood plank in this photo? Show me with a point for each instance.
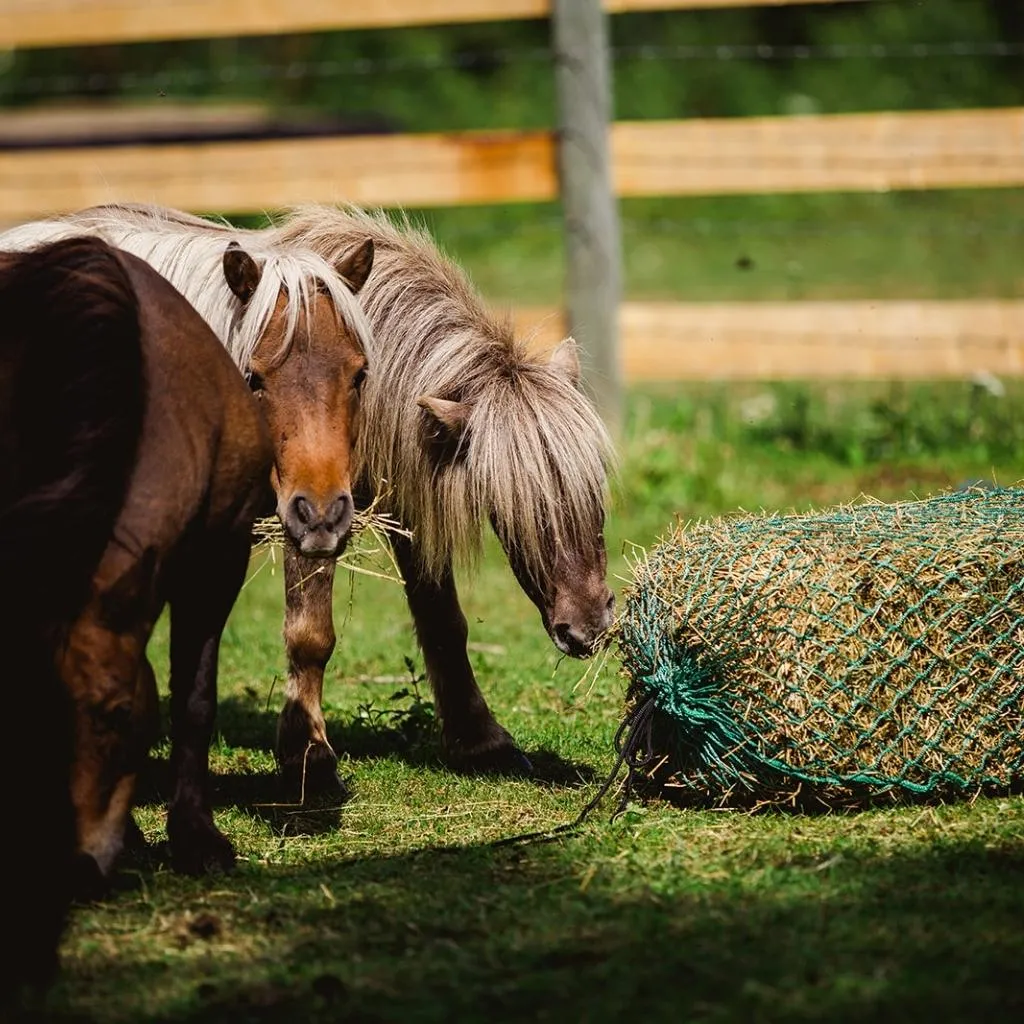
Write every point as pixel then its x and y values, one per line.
pixel 836 152
pixel 847 340
pixel 29 23
pixel 621 6
pixel 854 152
pixel 239 177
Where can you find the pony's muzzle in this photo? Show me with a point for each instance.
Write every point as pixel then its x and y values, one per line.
pixel 578 640
pixel 319 530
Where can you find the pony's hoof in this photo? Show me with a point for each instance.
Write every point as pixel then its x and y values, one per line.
pixel 199 849
pixel 312 780
pixel 506 760
pixel 88 883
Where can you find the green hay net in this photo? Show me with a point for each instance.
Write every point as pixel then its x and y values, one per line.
pixel 870 652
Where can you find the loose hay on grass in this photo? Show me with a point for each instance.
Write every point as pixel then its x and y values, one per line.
pixel 872 651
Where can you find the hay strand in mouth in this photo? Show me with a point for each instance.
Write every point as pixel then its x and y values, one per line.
pixel 870 651
pixel 368 552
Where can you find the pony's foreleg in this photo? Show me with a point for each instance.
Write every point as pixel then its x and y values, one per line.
pixel 308 764
pixel 472 738
pixel 201 599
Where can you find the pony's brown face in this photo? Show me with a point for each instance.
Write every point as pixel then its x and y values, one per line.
pixel 310 400
pixel 575 603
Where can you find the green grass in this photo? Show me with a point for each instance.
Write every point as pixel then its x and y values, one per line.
pixel 929 245
pixel 397 909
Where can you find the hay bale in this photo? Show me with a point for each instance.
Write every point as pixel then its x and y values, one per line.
pixel 872 651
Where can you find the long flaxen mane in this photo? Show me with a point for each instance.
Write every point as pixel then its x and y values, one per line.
pixel 188 251
pixel 535 454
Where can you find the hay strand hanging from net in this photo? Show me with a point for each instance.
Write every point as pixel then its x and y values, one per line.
pixel 875 651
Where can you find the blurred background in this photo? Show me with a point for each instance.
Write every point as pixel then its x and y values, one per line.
pixel 818 207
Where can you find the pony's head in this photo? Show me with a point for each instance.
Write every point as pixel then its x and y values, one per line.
pixel 536 454
pixel 306 367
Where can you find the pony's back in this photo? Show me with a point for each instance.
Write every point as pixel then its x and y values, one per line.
pixel 72 396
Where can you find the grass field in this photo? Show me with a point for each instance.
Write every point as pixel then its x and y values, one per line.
pixel 397 908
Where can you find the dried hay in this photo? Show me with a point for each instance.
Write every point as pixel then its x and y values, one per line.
pixel 872 651
pixel 368 552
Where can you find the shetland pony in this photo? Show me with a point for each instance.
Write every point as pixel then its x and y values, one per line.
pixel 181 538
pixel 465 426
pixel 72 390
pixel 291 323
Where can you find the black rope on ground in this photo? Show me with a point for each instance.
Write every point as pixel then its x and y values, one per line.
pixel 632 736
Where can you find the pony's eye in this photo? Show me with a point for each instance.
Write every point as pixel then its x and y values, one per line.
pixel 256 383
pixel 357 380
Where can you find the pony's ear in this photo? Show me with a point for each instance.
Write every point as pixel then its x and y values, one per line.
pixel 450 416
pixel 566 359
pixel 356 264
pixel 241 271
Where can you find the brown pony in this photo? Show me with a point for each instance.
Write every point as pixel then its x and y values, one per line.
pixel 291 323
pixel 72 388
pixel 182 538
pixel 465 426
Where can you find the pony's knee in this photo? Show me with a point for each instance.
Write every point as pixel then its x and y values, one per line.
pixel 310 641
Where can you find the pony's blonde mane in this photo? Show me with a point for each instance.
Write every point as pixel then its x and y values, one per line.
pixel 188 251
pixel 535 453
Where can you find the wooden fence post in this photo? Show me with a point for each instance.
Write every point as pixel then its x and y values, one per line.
pixel 589 208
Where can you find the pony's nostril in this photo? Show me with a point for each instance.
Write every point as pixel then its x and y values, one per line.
pixel 570 640
pixel 609 605
pixel 304 511
pixel 339 513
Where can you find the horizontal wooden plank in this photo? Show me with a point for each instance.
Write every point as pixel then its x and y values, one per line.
pixel 847 340
pixel 832 152
pixel 30 23
pixel 239 177
pixel 622 6
pixel 912 150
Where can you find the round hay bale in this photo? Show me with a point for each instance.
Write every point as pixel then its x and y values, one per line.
pixel 871 651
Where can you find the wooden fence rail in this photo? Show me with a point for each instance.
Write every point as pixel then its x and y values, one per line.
pixel 852 152
pixel 808 340
pixel 37 23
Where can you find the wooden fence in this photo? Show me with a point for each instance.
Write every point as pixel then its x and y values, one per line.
pixel 852 152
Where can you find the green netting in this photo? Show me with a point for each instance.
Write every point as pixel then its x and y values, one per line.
pixel 872 650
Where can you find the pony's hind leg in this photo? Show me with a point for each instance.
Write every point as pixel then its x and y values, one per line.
pixel 201 598
pixel 308 764
pixel 472 738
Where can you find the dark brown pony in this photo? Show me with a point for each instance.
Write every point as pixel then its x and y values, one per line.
pixel 181 538
pixel 72 386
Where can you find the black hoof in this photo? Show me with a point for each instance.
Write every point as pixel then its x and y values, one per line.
pixel 134 840
pixel 88 884
pixel 312 780
pixel 507 761
pixel 199 848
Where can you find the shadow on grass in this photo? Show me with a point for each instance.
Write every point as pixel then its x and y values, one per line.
pixel 406 733
pixel 476 934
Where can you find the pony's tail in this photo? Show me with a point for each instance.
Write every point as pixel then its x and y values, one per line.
pixel 72 400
